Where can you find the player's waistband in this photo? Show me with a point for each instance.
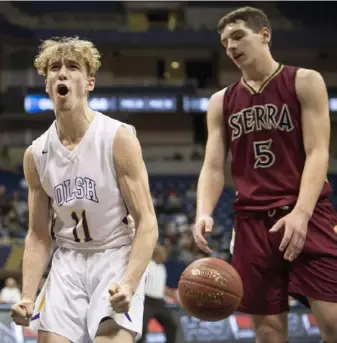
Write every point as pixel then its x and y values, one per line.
pixel 272 211
pixel 94 246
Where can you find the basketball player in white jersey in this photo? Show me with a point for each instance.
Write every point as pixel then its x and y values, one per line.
pixel 89 168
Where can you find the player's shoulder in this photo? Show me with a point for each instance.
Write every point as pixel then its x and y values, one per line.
pixel 126 142
pixel 107 123
pixel 116 135
pixel 30 167
pixel 28 158
pixel 215 105
pixel 28 155
pixel 217 98
pixel 44 136
pixel 41 144
pixel 219 95
pixel 112 126
pixel 220 98
pixel 305 76
pixel 308 81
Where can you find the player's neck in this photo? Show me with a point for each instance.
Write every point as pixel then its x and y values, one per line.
pixel 260 70
pixel 72 125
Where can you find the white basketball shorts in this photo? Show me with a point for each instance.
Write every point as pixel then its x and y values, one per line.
pixel 75 297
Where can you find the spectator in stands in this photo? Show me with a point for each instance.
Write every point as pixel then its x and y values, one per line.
pixel 5 159
pixel 158 203
pixel 14 229
pixel 155 292
pixel 5 204
pixel 197 153
pixel 10 294
pixel 4 236
pixel 20 208
pixel 293 302
pixel 173 204
pixel 191 192
pixel 185 247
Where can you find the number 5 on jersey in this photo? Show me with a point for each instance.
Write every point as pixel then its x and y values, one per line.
pixel 87 237
pixel 264 157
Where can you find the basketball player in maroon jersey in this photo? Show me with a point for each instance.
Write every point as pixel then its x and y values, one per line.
pixel 275 121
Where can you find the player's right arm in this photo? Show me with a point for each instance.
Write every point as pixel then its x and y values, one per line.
pixel 37 244
pixel 212 175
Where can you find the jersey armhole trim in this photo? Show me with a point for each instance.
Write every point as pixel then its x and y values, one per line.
pixel 296 69
pixel 225 123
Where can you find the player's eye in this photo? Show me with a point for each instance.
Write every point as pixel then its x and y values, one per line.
pixel 73 66
pixel 238 37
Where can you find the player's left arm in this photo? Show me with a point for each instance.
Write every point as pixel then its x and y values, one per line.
pixel 313 97
pixel 312 94
pixel 133 182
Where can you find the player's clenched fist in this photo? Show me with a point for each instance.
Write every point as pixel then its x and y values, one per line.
pixel 120 298
pixel 22 312
pixel 203 226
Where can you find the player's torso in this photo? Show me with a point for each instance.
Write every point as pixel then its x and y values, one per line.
pixel 82 187
pixel 264 135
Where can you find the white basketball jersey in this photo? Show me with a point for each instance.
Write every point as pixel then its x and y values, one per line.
pixel 82 187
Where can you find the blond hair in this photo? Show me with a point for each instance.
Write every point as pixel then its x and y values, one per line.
pixel 82 51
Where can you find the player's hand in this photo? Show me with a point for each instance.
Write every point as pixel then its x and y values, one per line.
pixel 203 226
pixel 295 226
pixel 120 298
pixel 22 312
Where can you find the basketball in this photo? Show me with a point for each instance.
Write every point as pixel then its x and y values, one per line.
pixel 210 289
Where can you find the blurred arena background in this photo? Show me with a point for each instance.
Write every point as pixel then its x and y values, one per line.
pixel 161 62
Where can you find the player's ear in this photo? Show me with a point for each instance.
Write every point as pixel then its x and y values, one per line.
pixel 90 84
pixel 45 83
pixel 266 35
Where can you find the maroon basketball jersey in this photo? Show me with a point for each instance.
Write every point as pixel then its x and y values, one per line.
pixel 264 134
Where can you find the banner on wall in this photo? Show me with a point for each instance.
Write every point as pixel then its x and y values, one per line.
pixel 37 103
pixel 40 103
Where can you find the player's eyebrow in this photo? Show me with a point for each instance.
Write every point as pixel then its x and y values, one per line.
pixel 72 61
pixel 53 63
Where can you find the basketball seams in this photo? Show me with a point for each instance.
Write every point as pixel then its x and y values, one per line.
pixel 232 277
pixel 210 264
pixel 223 292
pixel 229 278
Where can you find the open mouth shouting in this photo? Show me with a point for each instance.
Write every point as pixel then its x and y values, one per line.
pixel 62 90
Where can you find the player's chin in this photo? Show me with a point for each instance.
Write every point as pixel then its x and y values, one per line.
pixel 63 107
pixel 237 63
pixel 63 103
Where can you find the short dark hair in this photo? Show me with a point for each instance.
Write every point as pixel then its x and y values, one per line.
pixel 254 18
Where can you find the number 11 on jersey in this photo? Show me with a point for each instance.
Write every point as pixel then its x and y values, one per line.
pixel 87 237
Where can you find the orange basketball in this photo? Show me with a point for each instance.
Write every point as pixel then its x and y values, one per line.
pixel 210 289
